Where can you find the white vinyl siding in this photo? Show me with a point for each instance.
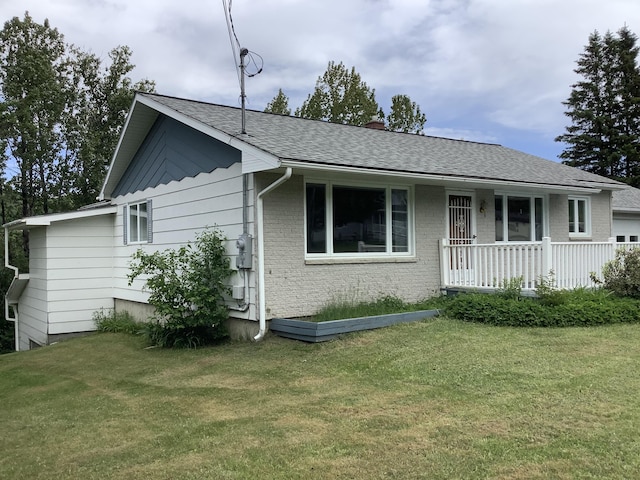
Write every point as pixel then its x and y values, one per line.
pixel 80 283
pixel 71 283
pixel 32 306
pixel 181 210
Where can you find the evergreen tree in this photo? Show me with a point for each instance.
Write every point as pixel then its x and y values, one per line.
pixel 279 104
pixel 628 115
pixel 340 96
pixel 604 108
pixel 405 115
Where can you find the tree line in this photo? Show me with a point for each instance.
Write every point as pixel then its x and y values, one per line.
pixel 61 111
pixel 341 96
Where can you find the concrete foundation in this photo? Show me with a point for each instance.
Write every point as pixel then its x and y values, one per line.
pixel 239 329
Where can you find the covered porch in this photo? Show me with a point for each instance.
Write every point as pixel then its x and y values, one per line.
pixel 566 265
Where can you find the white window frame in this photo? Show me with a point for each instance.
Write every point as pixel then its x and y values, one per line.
pixel 574 202
pixel 388 253
pixel 532 197
pixel 143 234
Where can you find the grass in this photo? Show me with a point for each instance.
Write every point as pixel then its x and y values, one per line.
pixel 439 399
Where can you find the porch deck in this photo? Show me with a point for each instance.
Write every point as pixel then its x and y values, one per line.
pixel 566 265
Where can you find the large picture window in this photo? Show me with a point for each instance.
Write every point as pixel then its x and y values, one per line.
pixel 355 220
pixel 519 218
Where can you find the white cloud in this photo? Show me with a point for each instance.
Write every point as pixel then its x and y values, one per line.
pixel 480 67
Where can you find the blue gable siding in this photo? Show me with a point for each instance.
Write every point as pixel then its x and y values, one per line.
pixel 173 151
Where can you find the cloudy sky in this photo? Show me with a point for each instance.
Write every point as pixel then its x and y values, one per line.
pixel 485 70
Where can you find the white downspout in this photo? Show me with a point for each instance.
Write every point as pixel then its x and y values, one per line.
pixel 16 273
pixel 261 289
pixel 6 253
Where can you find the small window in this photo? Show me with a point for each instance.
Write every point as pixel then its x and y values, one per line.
pixel 137 227
pixel 633 238
pixel 620 238
pixel 579 217
pixel 356 220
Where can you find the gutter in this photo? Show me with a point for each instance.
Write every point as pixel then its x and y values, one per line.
pixel 440 179
pixel 261 291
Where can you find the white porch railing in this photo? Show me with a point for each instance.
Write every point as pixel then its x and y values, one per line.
pixel 567 264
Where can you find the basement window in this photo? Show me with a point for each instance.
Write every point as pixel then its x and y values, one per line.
pixel 357 220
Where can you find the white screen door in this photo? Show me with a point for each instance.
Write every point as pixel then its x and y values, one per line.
pixel 461 234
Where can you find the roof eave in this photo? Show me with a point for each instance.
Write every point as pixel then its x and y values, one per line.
pixel 625 210
pixel 444 179
pixel 46 220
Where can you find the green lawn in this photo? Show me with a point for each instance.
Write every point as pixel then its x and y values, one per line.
pixel 440 399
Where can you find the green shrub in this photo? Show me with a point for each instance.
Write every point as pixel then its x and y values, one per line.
pixel 511 287
pixel 116 322
pixel 495 309
pixel 622 274
pixel 7 336
pixel 187 288
pixel 563 308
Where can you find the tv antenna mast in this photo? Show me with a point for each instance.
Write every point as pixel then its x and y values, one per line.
pixel 243 53
pixel 243 96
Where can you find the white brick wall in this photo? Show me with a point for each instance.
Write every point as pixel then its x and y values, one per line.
pixel 559 218
pixel 295 288
pixel 601 217
pixel 485 222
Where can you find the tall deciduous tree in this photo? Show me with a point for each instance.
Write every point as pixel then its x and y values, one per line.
pixel 61 111
pixel 604 108
pixel 33 74
pixel 97 108
pixel 340 96
pixel 279 104
pixel 405 115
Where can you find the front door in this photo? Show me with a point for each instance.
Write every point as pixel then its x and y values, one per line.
pixel 461 219
pixel 460 235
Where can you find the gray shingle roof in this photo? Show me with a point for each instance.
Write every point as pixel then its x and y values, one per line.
pixel 318 142
pixel 626 200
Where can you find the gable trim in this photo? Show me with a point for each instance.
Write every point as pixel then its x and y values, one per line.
pixel 143 113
